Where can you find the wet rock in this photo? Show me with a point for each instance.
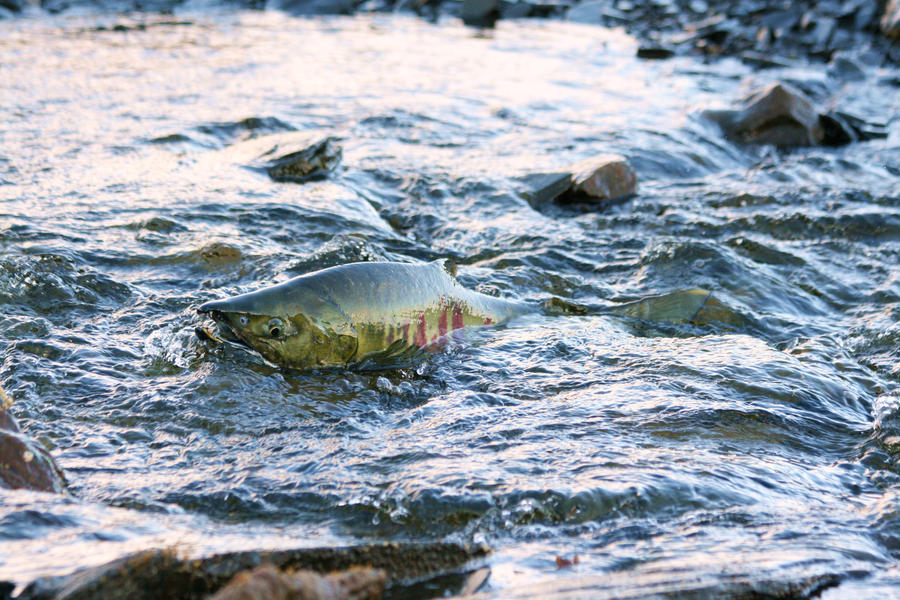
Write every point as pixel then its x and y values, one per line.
pixel 12 5
pixel 843 68
pixel 480 13
pixel 603 177
pixel 606 177
pixel 162 575
pixel 779 115
pixel 595 12
pixel 315 7
pixel 862 130
pixel 890 22
pixel 654 52
pixel 23 463
pixel 266 582
pixel 295 157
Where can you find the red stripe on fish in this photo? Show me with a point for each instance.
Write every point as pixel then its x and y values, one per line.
pixel 457 317
pixel 420 331
pixel 404 329
pixel 487 321
pixel 390 334
pixel 442 323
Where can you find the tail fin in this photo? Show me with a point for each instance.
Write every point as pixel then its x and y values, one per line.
pixel 684 306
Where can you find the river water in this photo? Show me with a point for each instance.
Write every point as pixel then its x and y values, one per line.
pixel 767 445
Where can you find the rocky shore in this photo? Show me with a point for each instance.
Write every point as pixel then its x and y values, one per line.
pixel 763 32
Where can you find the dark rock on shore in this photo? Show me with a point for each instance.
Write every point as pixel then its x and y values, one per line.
pixel 779 114
pixel 315 7
pixel 603 177
pixel 14 6
pixel 480 13
pixel 266 582
pixel 785 117
pixel 162 575
pixel 23 463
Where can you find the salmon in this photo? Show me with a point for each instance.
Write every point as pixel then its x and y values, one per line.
pixel 382 314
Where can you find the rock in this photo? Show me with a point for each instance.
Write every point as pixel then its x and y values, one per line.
pixel 480 13
pixel 13 5
pixel 843 68
pixel 597 12
pixel 606 177
pixel 890 22
pixel 778 114
pixel 266 582
pixel 515 10
pixel 295 157
pixel 315 7
pixel 162 575
pixel 603 177
pixel 24 464
pixel 654 52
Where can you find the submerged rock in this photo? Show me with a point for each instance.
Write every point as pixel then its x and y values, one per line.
pixel 24 464
pixel 480 13
pixel 779 115
pixel 890 22
pixel 294 157
pixel 162 575
pixel 266 582
pixel 602 177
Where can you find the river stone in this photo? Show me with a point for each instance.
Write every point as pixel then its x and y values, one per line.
pixel 602 177
pixel 13 5
pixel 779 114
pixel 890 22
pixel 23 463
pixel 480 13
pixel 606 177
pixel 162 575
pixel 266 582
pixel 295 157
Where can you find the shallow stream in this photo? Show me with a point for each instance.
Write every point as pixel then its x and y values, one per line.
pixel 765 446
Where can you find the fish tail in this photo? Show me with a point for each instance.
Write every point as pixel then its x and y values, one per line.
pixel 697 306
pixel 683 306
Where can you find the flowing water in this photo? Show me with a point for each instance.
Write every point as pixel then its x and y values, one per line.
pixel 766 445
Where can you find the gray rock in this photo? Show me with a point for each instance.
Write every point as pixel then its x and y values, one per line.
pixel 595 12
pixel 890 22
pixel 315 7
pixel 603 177
pixel 294 157
pixel 23 463
pixel 843 68
pixel 480 13
pixel 779 115
pixel 14 6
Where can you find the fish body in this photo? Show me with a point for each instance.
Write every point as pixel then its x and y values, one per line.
pixel 383 314
pixel 357 313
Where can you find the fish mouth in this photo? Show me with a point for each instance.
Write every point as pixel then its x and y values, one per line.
pixel 226 333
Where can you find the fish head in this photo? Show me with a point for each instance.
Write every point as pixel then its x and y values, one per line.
pixel 291 328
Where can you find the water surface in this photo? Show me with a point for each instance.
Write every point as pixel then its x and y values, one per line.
pixel 764 446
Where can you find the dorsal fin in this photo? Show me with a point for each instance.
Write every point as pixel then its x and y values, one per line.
pixel 448 264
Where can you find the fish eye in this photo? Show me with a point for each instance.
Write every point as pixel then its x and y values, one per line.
pixel 243 320
pixel 276 327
